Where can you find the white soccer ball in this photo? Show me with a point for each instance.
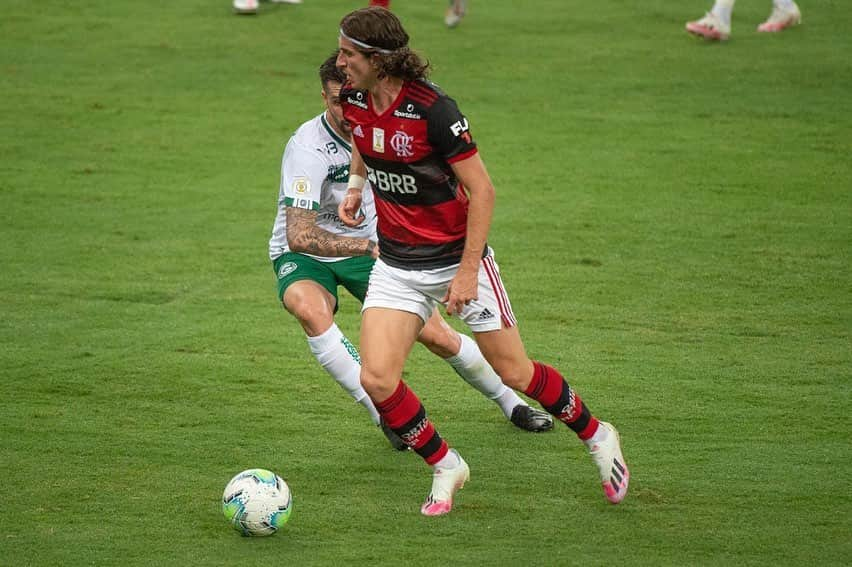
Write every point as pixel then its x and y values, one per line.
pixel 257 502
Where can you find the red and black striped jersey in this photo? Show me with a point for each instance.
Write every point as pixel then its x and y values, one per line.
pixel 421 206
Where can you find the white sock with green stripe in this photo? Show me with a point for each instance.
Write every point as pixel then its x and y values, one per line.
pixel 339 357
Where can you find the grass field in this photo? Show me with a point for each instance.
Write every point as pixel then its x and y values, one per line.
pixel 674 225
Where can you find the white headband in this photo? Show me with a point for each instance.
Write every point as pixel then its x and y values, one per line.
pixel 363 45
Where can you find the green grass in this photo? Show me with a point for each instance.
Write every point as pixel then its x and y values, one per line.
pixel 674 224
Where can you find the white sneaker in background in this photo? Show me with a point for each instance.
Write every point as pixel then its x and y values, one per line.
pixel 455 13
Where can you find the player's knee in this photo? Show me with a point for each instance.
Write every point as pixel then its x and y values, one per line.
pixel 315 317
pixel 512 380
pixel 514 374
pixel 378 386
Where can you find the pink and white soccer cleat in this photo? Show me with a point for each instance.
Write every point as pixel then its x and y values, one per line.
pixel 445 483
pixel 245 6
pixel 781 19
pixel 613 470
pixel 709 27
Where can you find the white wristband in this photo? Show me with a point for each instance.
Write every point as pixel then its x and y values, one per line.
pixel 356 182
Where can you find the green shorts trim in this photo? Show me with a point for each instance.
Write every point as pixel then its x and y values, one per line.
pixel 351 273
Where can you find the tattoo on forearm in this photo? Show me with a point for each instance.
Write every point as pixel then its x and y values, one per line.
pixel 303 235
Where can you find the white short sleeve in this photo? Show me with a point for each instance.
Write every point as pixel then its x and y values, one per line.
pixel 303 172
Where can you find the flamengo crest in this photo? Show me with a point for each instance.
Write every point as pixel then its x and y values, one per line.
pixel 401 144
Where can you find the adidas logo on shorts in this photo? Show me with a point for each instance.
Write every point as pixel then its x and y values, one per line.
pixel 485 315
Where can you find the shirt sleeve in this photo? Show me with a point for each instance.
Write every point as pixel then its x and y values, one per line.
pixel 303 172
pixel 449 131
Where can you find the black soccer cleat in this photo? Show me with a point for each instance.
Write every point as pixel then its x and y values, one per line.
pixel 394 439
pixel 530 419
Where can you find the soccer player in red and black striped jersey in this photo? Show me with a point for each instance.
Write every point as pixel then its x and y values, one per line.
pixel 434 201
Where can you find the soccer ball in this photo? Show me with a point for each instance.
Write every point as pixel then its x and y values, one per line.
pixel 257 502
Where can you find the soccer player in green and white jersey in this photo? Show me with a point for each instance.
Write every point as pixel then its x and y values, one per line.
pixel 313 253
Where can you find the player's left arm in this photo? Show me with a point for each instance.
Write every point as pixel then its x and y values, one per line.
pixel 449 134
pixel 303 235
pixel 473 175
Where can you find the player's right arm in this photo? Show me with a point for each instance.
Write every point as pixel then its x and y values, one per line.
pixel 351 204
pixel 303 235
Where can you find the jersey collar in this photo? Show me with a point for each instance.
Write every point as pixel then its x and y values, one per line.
pixel 334 134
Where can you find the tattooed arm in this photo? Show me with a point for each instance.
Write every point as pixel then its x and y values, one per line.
pixel 303 235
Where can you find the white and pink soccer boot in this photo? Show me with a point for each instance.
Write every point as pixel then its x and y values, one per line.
pixel 614 473
pixel 709 27
pixel 445 483
pixel 781 18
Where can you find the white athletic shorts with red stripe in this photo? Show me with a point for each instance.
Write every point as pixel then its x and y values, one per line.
pixel 420 291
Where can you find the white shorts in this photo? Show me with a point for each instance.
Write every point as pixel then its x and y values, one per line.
pixel 420 291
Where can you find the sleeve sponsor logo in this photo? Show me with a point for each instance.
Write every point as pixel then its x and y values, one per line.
pixel 461 129
pixel 301 186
